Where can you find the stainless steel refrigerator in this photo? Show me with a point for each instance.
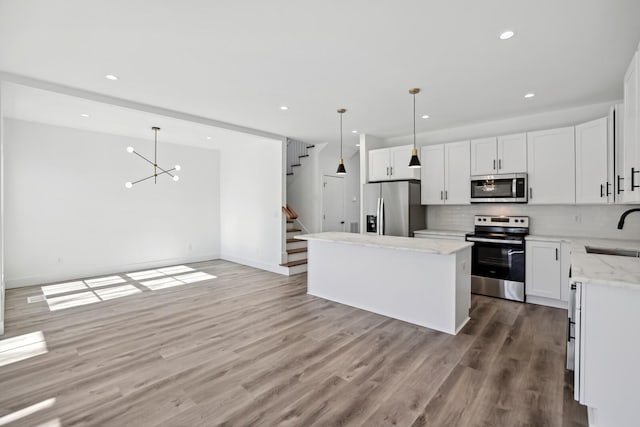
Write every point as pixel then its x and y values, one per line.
pixel 393 208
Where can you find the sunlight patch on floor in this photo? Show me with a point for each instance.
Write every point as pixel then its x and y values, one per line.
pixel 72 300
pixel 22 347
pixel 25 412
pixel 104 281
pixel 117 292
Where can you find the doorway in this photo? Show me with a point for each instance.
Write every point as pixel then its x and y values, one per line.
pixel 332 203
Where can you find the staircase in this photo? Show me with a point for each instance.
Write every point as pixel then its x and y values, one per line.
pixel 296 150
pixel 296 249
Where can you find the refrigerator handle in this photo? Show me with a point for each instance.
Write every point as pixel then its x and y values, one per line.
pixel 381 229
pixel 378 216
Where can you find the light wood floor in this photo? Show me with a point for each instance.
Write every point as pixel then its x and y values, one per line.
pixel 252 348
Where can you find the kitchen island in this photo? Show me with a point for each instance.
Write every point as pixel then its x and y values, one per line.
pixel 422 281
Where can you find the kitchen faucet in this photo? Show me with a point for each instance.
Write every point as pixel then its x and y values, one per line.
pixel 624 215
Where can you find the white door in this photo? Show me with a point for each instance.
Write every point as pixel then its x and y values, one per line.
pixel 551 166
pixel 432 175
pixel 457 170
pixel 592 186
pixel 543 269
pixel 512 153
pixel 483 156
pixel 379 165
pixel 631 140
pixel 332 203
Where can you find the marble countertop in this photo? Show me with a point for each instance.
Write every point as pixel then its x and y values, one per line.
pixel 605 269
pixel 456 233
pixel 433 246
pixel 596 268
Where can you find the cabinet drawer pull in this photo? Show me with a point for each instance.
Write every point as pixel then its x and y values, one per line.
pixel 556 254
pixel 391 170
pixel 494 164
pixel 633 179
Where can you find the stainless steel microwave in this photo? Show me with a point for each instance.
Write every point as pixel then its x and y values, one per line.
pixel 507 188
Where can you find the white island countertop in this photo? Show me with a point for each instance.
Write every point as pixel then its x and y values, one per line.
pixel 433 246
pixel 612 270
pixel 456 233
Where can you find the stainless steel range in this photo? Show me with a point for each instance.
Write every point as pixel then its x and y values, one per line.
pixel 498 260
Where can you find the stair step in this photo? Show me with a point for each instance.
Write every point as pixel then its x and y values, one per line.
pixel 294 240
pixel 290 221
pixel 293 230
pixel 289 173
pixel 304 155
pixel 294 263
pixel 297 164
pixel 296 251
pixel 310 146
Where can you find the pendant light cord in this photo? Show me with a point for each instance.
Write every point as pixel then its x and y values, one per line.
pixel 341 135
pixel 414 120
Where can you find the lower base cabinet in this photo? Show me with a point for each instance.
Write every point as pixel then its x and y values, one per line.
pixel 547 272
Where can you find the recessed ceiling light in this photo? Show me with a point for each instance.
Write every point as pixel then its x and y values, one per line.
pixel 208 137
pixel 426 116
pixel 507 35
pixel 530 95
pixel 84 115
pixel 111 77
pixel 284 107
pixel 354 131
pixel 357 145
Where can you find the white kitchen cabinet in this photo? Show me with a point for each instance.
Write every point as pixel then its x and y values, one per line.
pixel 483 156
pixel 551 166
pixel 543 269
pixel 616 134
pixel 504 154
pixel 432 171
pixel 631 133
pixel 512 153
pixel 594 180
pixel 445 174
pixel 391 164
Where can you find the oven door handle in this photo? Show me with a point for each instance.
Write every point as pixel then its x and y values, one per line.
pixel 484 240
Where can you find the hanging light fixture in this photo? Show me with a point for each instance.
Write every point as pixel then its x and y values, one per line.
pixel 341 170
pixel 415 161
pixel 154 163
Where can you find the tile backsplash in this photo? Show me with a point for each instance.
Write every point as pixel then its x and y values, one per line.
pixel 580 221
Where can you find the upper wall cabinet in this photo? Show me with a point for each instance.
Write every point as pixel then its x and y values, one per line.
pixel 631 133
pixel 551 166
pixel 445 174
pixel 391 164
pixel 594 179
pixel 504 154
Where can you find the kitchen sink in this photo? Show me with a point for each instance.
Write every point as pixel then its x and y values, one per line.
pixel 617 252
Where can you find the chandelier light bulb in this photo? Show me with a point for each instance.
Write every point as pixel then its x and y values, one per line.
pixel 176 178
pixel 128 184
pixel 130 150
pixel 177 167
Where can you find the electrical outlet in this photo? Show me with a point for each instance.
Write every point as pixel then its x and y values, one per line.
pixel 577 219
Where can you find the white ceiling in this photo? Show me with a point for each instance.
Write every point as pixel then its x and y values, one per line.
pixel 239 61
pixel 26 103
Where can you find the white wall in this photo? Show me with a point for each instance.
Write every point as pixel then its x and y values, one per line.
pixel 68 214
pixel 581 221
pixel 251 197
pixel 2 285
pixel 304 187
pixel 532 122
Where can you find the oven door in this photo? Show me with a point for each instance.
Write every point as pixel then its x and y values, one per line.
pixel 498 258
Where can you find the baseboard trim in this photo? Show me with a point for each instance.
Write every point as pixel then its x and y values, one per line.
pixel 549 302
pixel 40 279
pixel 256 264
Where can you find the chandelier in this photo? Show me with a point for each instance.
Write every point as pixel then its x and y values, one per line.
pixel 157 170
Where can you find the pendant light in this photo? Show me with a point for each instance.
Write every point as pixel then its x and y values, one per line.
pixel 415 161
pixel 157 170
pixel 341 170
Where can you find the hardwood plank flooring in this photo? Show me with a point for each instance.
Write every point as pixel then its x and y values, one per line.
pixel 217 343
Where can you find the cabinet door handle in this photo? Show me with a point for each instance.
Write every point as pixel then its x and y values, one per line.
pixel 608 186
pixel 530 193
pixel 387 170
pixel 620 189
pixel 446 195
pixel 601 190
pixel 494 164
pixel 441 195
pixel 633 179
pixel 391 170
pixel 556 254
pixel 499 163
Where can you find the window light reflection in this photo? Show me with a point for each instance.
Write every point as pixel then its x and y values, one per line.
pixel 22 347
